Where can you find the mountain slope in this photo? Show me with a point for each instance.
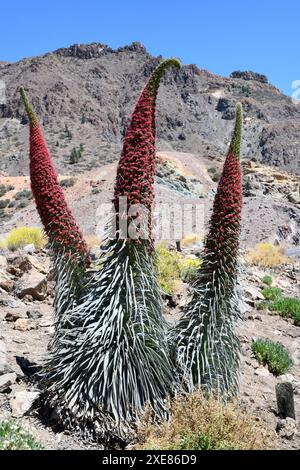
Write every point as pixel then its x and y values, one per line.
pixel 84 95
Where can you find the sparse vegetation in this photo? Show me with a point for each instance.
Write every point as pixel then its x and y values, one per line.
pixel 204 423
pixel 288 307
pixel 22 236
pixel 14 437
pixel 4 203
pixel 67 182
pixel 168 268
pixel 268 280
pixel 191 239
pixel 24 194
pixel 272 354
pixel 75 155
pixel 189 269
pixel 5 189
pixel 271 293
pixel 267 255
pixel 68 133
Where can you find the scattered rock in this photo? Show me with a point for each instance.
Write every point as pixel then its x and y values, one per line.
pixel 6 282
pixel 14 315
pixel 3 357
pixel 10 302
pixel 294 198
pixel 252 293
pixel 287 428
pixel 44 269
pixel 21 402
pixel 33 283
pixel 3 262
pixel 29 248
pixel 6 381
pixel 262 371
pixel 23 324
pixel 34 314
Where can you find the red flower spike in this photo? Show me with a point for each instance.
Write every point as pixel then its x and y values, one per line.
pixel 57 219
pixel 225 223
pixel 136 169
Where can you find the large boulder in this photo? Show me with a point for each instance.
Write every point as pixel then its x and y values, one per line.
pixel 32 283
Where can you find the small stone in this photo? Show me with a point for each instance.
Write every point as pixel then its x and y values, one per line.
pixel 258 317
pixel 6 381
pixel 3 357
pixel 22 324
pixel 253 293
pixel 262 372
pixel 21 402
pixel 287 428
pixel 3 262
pixel 33 283
pixel 29 248
pixel 34 314
pixel 14 315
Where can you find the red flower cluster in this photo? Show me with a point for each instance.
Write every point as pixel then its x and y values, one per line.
pixel 136 169
pixel 52 207
pixel 225 224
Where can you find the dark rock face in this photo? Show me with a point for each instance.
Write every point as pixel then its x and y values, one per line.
pixel 248 75
pixel 92 89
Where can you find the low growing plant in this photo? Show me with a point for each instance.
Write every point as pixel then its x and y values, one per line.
pixel 271 293
pixel 24 194
pixel 288 307
pixel 266 255
pixel 273 354
pixel 268 280
pixel 14 437
pixel 201 422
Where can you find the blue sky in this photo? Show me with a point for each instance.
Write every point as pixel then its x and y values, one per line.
pixel 221 36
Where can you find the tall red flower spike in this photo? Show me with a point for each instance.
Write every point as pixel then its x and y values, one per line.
pixel 205 344
pixel 57 218
pixel 222 242
pixel 136 169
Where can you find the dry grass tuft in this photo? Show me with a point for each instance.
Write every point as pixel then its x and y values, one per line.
pixel 266 255
pixel 22 236
pixel 191 239
pixel 204 423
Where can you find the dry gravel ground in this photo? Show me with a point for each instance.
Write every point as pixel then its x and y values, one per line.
pixel 257 391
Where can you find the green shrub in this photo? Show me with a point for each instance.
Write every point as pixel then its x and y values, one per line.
pixel 75 156
pixel 271 293
pixel 268 280
pixel 4 188
pixel 67 183
pixel 24 194
pixel 19 237
pixel 272 354
pixel 4 203
pixel 14 437
pixel 288 307
pixel 22 204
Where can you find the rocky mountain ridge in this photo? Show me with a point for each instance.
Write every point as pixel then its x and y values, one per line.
pixel 84 94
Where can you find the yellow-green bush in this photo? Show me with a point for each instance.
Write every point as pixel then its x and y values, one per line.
pixel 191 239
pixel 19 237
pixel 189 268
pixel 204 423
pixel 172 268
pixel 168 268
pixel 267 255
